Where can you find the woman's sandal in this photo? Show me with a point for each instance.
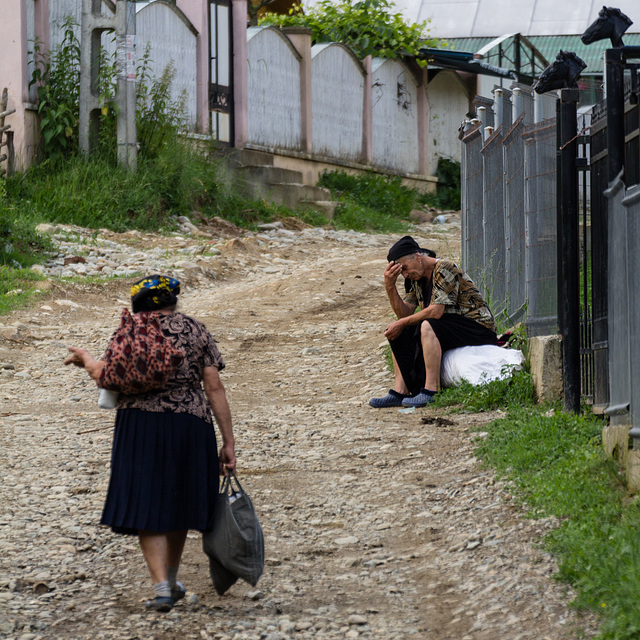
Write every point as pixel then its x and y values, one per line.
pixel 178 592
pixel 159 603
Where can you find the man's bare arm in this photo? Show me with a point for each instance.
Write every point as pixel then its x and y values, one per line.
pixel 399 306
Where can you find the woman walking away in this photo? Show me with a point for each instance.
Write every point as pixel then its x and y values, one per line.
pixel 164 463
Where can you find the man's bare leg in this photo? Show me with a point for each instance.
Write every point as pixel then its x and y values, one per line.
pixel 432 356
pixel 399 384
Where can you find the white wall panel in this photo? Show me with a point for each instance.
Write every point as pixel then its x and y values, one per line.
pixel 395 116
pixel 337 100
pixel 170 37
pixel 448 106
pixel 171 41
pixel 274 89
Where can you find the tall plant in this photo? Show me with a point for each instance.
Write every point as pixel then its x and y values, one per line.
pixel 158 117
pixel 56 76
pixel 369 27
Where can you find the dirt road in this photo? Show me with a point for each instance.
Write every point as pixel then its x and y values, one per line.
pixel 378 524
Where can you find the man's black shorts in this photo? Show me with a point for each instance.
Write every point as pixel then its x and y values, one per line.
pixel 452 331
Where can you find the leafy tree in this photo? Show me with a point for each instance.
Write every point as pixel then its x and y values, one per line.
pixel 369 27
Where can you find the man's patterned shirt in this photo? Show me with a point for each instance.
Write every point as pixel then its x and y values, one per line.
pixel 454 289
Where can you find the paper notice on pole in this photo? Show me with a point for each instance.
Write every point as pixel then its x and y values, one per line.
pixel 126 57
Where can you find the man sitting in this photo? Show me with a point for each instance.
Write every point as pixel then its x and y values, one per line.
pixel 452 314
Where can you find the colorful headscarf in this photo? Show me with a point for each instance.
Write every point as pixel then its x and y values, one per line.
pixel 154 292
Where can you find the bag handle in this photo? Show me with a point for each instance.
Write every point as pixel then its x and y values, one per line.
pixel 227 487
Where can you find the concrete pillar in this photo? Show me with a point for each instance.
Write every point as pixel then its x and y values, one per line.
pixel 93 24
pixel 240 74
pixel 367 114
pixel 301 40
pixel 126 131
pixel 497 98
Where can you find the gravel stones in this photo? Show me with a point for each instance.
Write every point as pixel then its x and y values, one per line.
pixel 377 526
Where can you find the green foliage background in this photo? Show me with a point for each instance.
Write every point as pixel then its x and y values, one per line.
pixel 369 27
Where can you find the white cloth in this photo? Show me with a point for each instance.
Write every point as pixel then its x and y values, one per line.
pixel 479 365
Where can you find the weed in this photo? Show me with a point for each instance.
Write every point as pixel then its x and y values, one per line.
pixel 56 76
pixel 516 390
pixel 370 202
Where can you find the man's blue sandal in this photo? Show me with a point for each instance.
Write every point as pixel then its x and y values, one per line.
pixel 392 399
pixel 159 603
pixel 421 400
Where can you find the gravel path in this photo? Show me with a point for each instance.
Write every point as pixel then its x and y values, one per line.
pixel 378 524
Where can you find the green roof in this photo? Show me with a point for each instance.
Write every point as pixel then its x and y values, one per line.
pixel 549 46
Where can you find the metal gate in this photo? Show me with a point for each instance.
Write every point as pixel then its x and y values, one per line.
pixel 221 71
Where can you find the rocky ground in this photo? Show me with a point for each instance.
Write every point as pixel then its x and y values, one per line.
pixel 378 523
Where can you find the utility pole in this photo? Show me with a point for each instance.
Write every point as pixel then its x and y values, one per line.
pixel 126 97
pixel 124 25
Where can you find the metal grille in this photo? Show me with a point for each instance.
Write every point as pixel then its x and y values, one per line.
pixel 541 228
pixel 586 269
pixel 493 284
pixel 514 222
pixel 472 234
pixel 221 71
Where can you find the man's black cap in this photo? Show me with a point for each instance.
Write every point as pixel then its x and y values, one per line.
pixel 406 246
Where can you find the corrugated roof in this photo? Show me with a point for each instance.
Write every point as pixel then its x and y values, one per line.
pixel 549 46
pixel 491 18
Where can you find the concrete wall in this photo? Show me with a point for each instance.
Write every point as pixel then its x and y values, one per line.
pixel 337 116
pixel 273 90
pixel 395 116
pixel 448 106
pixel 323 102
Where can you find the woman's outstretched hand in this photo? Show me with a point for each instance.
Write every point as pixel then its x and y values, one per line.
pixel 82 358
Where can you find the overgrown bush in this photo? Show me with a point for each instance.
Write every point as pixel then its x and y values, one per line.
pixel 56 76
pixel 448 189
pixel 371 201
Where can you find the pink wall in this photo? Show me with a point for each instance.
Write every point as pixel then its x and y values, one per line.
pixel 198 13
pixel 13 76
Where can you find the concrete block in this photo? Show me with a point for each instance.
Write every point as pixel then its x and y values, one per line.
pixel 326 207
pixel 269 175
pixel 633 470
pixel 545 355
pixel 615 441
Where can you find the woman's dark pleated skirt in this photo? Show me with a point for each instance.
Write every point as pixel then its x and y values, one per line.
pixel 164 473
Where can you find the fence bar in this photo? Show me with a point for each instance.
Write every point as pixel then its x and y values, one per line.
pixel 569 249
pixel 614 69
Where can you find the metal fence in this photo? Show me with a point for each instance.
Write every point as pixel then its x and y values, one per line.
pixel 509 212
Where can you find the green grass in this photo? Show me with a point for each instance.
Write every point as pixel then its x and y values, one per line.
pixel 557 465
pixel 371 202
pixel 98 194
pixel 516 390
pixel 558 468
pixel 18 288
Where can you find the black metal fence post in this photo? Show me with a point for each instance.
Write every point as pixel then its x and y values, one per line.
pixel 614 62
pixel 569 249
